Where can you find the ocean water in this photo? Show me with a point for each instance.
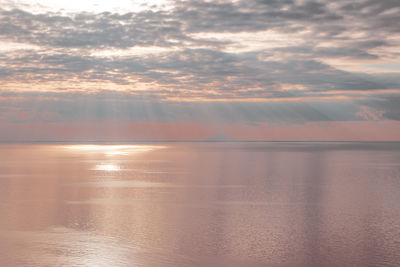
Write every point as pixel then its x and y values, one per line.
pixel 200 204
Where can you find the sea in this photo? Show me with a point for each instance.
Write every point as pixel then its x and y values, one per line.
pixel 283 204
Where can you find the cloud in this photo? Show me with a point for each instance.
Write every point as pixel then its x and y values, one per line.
pixel 84 30
pixel 388 106
pixel 124 107
pixel 245 62
pixel 203 73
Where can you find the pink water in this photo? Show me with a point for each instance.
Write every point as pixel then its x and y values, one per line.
pixel 200 204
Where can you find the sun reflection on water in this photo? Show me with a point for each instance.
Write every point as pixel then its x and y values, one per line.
pixel 111 150
pixel 107 167
pixel 113 154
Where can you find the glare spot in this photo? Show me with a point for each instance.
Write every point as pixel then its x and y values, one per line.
pixel 107 167
pixel 111 150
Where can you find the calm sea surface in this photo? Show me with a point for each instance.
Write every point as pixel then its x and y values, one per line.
pixel 200 204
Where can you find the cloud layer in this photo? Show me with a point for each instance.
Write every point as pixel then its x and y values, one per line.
pixel 248 62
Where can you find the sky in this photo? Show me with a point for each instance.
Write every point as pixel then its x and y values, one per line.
pixel 127 70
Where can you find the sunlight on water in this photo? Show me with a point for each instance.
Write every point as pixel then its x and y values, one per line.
pixel 200 204
pixel 107 167
pixel 111 150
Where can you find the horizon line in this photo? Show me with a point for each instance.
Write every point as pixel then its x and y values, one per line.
pixel 190 141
